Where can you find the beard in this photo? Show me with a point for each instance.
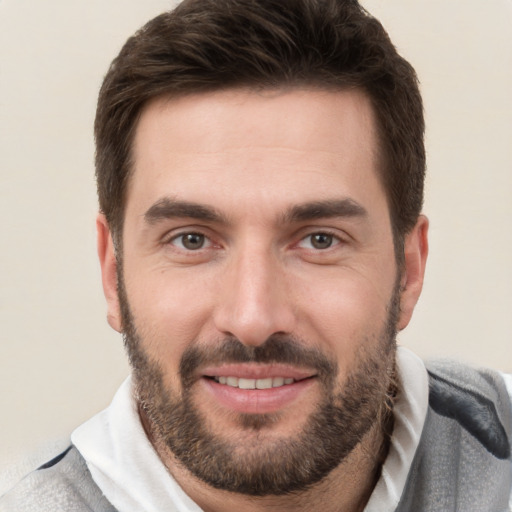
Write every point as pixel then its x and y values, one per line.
pixel 252 462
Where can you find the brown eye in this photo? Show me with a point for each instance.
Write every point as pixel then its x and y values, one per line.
pixel 321 240
pixel 190 241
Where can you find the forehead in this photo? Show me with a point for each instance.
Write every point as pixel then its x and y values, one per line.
pixel 263 145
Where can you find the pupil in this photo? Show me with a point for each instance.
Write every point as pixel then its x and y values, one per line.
pixel 193 241
pixel 321 241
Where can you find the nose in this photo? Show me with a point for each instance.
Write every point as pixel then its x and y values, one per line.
pixel 255 300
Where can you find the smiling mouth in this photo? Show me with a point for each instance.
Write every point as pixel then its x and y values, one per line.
pixel 241 383
pixel 251 390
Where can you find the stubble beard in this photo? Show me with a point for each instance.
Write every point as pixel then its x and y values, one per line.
pixel 254 464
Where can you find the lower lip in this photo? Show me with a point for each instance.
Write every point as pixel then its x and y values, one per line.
pixel 256 401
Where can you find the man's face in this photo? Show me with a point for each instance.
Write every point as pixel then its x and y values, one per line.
pixel 259 282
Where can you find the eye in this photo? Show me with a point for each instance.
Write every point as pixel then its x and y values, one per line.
pixel 319 241
pixel 191 241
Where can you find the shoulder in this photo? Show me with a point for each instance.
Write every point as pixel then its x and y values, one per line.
pixel 477 399
pixel 62 484
pixel 462 461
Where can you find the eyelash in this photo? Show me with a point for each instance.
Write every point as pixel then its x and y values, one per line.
pixel 334 241
pixel 206 240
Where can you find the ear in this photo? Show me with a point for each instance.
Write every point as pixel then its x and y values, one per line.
pixel 108 263
pixel 415 259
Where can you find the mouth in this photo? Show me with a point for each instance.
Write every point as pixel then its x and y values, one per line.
pixel 241 383
pixel 256 389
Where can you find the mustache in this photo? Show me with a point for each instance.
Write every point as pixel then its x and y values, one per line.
pixel 283 349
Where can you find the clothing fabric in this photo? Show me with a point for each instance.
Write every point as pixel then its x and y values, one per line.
pixel 63 484
pixel 113 467
pixel 469 468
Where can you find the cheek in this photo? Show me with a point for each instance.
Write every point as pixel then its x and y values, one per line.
pixel 168 313
pixel 347 314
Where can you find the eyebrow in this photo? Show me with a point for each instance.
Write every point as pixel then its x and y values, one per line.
pixel 167 208
pixel 325 209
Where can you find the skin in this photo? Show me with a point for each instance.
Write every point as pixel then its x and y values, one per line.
pixel 256 159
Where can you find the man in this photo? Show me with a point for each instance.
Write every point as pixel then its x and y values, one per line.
pixel 260 173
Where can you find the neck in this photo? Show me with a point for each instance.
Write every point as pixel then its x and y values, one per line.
pixel 348 487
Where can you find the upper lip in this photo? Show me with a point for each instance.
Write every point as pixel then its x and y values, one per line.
pixel 257 371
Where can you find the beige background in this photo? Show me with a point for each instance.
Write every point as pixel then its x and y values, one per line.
pixel 59 361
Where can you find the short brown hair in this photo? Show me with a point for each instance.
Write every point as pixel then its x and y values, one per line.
pixel 206 45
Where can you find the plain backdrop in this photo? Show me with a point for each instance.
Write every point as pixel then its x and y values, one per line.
pixel 59 361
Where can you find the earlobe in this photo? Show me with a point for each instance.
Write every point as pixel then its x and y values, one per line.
pixel 108 263
pixel 415 259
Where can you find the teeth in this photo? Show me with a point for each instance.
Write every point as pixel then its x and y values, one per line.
pixel 264 383
pixel 267 383
pixel 247 383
